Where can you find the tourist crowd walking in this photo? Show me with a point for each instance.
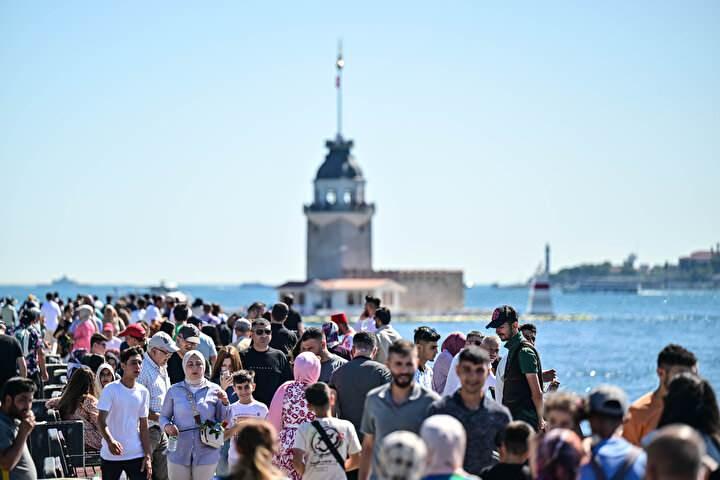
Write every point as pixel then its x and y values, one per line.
pixel 168 389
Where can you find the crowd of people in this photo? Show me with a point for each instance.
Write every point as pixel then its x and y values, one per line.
pixel 167 389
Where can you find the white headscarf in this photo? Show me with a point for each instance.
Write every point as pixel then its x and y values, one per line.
pixel 401 457
pixel 445 439
pixel 194 383
pixel 98 383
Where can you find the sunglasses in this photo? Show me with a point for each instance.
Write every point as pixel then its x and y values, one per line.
pixel 263 331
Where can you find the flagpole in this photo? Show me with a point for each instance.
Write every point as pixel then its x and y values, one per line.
pixel 339 64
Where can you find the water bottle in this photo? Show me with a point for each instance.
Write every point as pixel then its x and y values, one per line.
pixel 172 443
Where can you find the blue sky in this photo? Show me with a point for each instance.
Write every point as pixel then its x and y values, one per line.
pixel 167 140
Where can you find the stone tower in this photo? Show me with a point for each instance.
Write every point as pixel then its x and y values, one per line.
pixel 339 221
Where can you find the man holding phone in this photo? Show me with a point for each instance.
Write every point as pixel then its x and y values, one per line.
pixel 366 322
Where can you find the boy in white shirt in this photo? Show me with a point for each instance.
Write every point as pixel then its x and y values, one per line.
pixel 123 419
pixel 245 407
pixel 327 447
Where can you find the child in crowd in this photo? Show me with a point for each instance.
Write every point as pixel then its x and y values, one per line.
pixel 327 447
pixel 245 407
pixel 513 454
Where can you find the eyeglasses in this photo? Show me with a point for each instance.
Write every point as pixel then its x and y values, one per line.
pixel 475 342
pixel 164 352
pixel 263 331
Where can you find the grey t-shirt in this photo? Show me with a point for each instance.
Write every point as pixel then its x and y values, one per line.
pixel 327 368
pixel 383 416
pixel 25 468
pixel 353 381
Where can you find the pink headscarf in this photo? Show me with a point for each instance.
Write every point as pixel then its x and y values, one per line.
pixel 307 368
pixel 454 343
pixel 306 371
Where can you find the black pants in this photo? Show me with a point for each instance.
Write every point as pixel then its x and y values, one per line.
pixel 111 470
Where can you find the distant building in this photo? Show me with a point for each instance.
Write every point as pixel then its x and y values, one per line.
pixel 339 248
pixel 698 259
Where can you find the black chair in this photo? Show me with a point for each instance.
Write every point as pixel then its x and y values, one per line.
pixel 52 359
pixel 51 368
pixel 59 377
pixel 65 439
pixel 50 391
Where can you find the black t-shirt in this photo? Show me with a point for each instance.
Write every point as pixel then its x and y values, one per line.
pixel 175 369
pixel 293 320
pixel 225 334
pixel 10 351
pixel 271 368
pixel 506 471
pixel 282 338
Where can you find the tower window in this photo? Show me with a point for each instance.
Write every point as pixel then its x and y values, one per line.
pixel 347 198
pixel 331 197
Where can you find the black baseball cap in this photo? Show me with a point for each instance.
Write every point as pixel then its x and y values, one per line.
pixel 189 333
pixel 502 315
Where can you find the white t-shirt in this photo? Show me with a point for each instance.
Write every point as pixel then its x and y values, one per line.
pixel 366 325
pixel 51 312
pixel 125 407
pixel 253 409
pixel 320 464
pixel 452 384
pixel 137 315
pixel 152 313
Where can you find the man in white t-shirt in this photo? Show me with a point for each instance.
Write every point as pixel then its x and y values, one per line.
pixel 152 312
pixel 123 419
pixel 139 313
pixel 491 344
pixel 327 447
pixel 51 313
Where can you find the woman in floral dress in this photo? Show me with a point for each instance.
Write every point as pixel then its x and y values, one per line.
pixel 79 402
pixel 288 409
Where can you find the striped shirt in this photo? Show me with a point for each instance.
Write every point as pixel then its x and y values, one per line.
pixel 157 381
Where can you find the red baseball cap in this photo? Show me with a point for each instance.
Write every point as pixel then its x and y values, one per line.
pixel 339 318
pixel 134 330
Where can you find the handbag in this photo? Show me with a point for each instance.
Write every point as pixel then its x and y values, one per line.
pixel 211 433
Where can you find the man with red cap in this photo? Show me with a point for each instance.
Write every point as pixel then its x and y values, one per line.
pixel 340 319
pixel 134 336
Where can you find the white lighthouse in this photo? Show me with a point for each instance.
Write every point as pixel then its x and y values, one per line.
pixel 540 301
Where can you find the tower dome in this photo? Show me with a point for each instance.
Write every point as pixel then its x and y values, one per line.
pixel 339 163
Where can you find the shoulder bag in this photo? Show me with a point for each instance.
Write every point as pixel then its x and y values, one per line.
pixel 210 435
pixel 328 443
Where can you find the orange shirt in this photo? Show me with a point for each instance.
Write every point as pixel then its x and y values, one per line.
pixel 644 416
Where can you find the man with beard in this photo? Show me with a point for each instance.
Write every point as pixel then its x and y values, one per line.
pixel 400 405
pixel 519 373
pixel 271 366
pixel 482 416
pixel 16 423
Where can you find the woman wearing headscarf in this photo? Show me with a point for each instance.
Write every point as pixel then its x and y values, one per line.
pixel 556 455
pixel 445 439
pixel 105 374
pixel 288 409
pixel 450 347
pixel 85 327
pixel 189 404
pixel 401 456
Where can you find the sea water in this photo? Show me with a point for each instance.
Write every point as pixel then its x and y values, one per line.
pixel 600 338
